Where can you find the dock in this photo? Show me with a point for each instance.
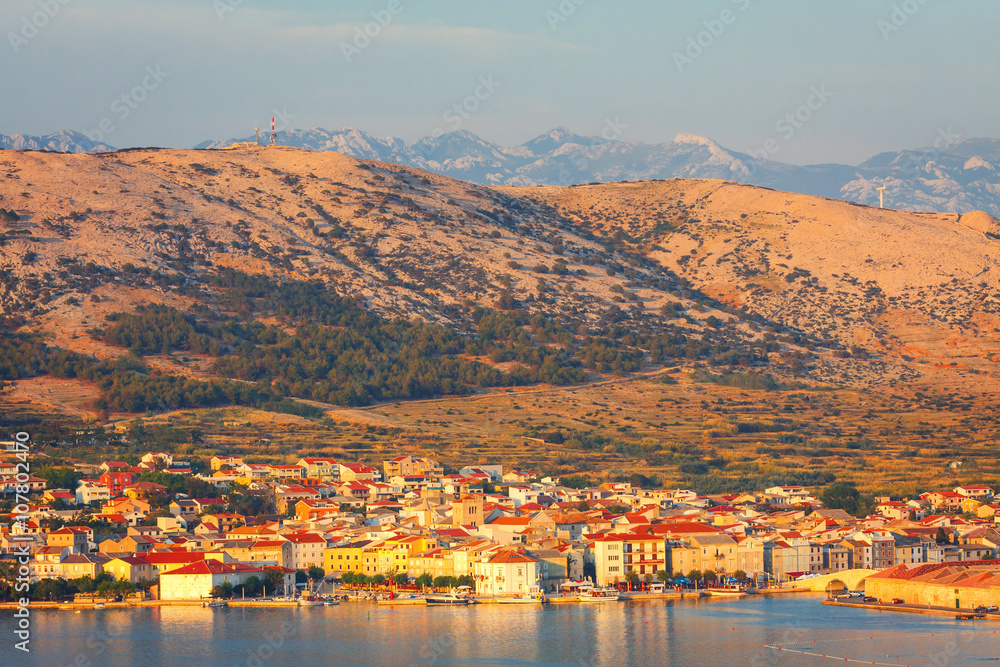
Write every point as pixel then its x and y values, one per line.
pixel 960 614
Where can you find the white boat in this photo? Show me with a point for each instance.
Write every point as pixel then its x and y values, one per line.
pixel 100 605
pixel 600 595
pixel 447 598
pixel 309 600
pixel 527 598
pixel 215 603
pixel 726 592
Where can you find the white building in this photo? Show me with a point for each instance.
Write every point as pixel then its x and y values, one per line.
pixel 507 572
pixel 161 459
pixel 196 581
pixel 89 491
pixel 522 495
pixel 307 550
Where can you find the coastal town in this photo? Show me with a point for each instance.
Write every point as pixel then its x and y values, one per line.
pixel 260 530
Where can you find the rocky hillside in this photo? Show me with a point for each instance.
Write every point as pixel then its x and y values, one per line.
pixel 918 285
pixel 270 264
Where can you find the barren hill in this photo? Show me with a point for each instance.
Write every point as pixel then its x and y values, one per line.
pixel 624 274
pixel 361 226
pixel 918 285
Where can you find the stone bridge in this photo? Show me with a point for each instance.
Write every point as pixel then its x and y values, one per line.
pixel 853 580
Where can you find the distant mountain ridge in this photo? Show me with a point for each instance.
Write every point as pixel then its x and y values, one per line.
pixel 65 141
pixel 961 177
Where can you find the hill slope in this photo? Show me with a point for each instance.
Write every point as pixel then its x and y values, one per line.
pixel 914 284
pixel 623 277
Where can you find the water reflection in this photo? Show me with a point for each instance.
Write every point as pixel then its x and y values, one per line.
pixel 701 632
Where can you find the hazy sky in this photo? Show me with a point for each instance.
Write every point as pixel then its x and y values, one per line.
pixel 192 70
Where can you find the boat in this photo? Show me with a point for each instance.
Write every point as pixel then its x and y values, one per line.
pixel 447 598
pixel 215 603
pixel 100 605
pixel 405 599
pixel 310 602
pixel 527 598
pixel 729 592
pixel 600 595
pixel 969 617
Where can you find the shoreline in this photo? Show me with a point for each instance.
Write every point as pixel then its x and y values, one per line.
pixel 626 597
pixel 913 609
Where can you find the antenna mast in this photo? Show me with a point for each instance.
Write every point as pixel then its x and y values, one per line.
pixel 256 131
pixel 274 137
pixel 881 197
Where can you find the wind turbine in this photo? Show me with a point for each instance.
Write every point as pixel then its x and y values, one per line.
pixel 881 197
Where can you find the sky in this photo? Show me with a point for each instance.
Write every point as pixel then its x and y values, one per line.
pixel 846 79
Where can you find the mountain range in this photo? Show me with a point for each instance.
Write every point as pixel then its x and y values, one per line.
pixel 959 177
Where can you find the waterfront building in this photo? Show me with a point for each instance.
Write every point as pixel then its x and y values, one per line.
pixel 507 572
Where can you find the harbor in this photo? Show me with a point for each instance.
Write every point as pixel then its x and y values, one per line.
pixel 631 631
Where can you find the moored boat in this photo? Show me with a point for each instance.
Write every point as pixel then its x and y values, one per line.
pixel 726 592
pixel 600 595
pixel 527 598
pixel 447 598
pixel 310 601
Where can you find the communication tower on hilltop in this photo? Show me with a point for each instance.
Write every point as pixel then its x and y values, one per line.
pixel 881 197
pixel 256 131
pixel 274 136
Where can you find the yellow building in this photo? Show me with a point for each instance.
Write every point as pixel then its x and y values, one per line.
pixel 387 559
pixel 218 462
pixel 617 555
pixel 436 562
pixel 346 558
pixel 708 552
pixel 971 506
pixel 413 544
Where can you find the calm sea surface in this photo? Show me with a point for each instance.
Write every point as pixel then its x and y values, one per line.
pixel 655 632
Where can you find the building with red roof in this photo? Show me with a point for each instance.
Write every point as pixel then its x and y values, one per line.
pixel 507 572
